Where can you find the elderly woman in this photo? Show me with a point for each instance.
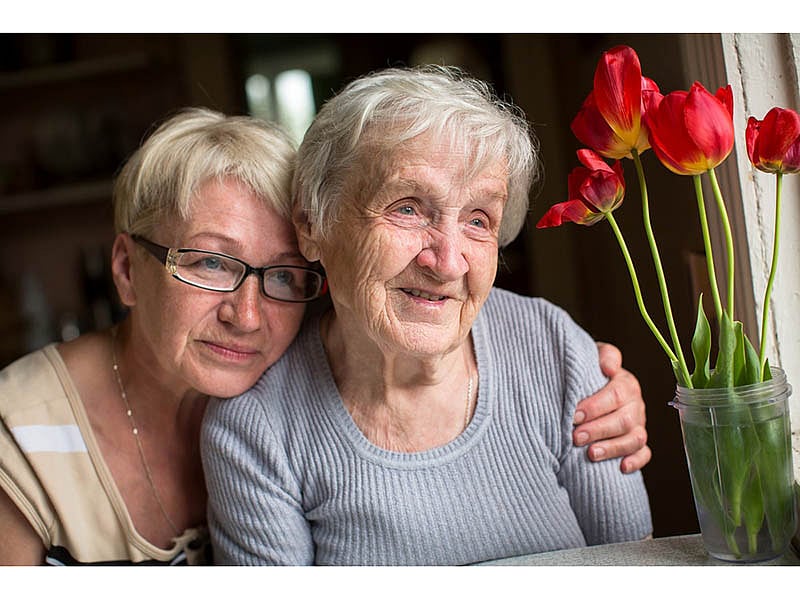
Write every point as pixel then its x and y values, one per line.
pixel 427 417
pixel 99 454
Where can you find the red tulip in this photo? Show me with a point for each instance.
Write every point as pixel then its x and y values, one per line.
pixel 692 132
pixel 594 190
pixel 610 120
pixel 773 144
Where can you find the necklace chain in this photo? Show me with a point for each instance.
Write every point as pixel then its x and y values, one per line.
pixel 135 431
pixel 469 402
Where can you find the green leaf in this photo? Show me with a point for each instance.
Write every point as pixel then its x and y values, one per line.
pixel 723 375
pixel 701 348
pixel 751 372
pixel 775 468
pixel 738 353
pixel 752 507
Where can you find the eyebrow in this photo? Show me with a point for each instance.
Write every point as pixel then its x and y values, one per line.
pixel 236 247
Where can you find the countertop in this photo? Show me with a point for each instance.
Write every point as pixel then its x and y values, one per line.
pixel 685 550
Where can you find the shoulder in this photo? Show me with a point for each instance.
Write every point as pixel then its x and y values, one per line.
pixel 29 380
pixel 514 317
pixel 504 305
pixel 520 331
pixel 280 398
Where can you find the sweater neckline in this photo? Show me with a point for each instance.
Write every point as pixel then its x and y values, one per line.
pixel 334 406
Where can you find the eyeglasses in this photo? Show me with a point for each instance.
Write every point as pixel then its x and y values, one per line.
pixel 222 273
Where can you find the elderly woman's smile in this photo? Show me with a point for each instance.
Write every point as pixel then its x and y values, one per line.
pixel 422 295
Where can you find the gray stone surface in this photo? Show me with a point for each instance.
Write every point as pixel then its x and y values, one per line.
pixel 686 550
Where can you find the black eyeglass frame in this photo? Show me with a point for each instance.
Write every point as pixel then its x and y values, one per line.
pixel 169 258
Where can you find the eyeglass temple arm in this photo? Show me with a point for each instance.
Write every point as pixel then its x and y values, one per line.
pixel 168 256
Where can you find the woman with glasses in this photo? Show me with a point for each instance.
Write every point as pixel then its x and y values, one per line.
pixel 99 443
pixel 99 455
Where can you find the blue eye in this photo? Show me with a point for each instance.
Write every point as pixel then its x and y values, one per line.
pixel 284 277
pixel 211 263
pixel 479 221
pixel 407 210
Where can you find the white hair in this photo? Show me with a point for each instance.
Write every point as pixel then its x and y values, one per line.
pixel 370 117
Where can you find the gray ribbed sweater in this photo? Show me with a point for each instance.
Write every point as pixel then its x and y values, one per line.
pixel 292 480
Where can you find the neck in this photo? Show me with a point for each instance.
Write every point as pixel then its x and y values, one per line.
pixel 166 400
pixel 401 402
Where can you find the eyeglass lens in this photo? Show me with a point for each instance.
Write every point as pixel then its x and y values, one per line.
pixel 220 273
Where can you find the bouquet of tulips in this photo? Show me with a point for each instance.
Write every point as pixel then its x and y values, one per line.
pixel 691 133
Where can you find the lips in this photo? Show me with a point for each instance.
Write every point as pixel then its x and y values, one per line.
pixel 231 351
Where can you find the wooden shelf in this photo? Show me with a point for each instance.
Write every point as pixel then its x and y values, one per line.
pixel 63 195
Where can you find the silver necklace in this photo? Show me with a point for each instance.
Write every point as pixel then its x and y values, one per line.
pixel 469 402
pixel 135 431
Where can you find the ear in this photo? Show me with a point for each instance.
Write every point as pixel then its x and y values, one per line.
pixel 307 235
pixel 121 269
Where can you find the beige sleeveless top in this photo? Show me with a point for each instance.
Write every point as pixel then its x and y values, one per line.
pixel 52 469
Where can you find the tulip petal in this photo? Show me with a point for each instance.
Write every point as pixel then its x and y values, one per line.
pixel 602 190
pixel 591 129
pixel 725 97
pixel 618 92
pixel 571 211
pixel 575 181
pixel 591 160
pixel 750 136
pixel 791 162
pixel 709 123
pixel 669 138
pixel 778 132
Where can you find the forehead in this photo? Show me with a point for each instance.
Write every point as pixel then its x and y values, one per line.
pixel 231 215
pixel 427 160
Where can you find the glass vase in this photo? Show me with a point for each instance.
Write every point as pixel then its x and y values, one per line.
pixel 739 450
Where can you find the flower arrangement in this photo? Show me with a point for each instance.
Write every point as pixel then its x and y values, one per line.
pixel 691 133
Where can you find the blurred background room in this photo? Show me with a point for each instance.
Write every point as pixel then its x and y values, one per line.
pixel 73 106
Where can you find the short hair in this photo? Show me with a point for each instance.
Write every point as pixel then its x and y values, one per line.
pixel 378 111
pixel 192 147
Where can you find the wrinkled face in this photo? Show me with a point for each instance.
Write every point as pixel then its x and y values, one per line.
pixel 218 343
pixel 411 262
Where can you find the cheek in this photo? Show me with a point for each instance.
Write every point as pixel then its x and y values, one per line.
pixel 284 323
pixel 482 272
pixel 369 260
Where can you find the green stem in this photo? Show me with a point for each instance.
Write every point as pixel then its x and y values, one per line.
pixel 712 275
pixel 662 281
pixel 726 225
pixel 762 358
pixel 637 290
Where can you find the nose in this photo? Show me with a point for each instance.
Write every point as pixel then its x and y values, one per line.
pixel 443 255
pixel 243 308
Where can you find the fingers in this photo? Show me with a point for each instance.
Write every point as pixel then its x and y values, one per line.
pixel 626 445
pixel 610 359
pixel 612 420
pixel 621 390
pixel 621 423
pixel 637 460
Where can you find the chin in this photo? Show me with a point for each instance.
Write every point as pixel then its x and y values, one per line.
pixel 430 346
pixel 227 385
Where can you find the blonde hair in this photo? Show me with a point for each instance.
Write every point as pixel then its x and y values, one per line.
pixel 363 124
pixel 194 146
